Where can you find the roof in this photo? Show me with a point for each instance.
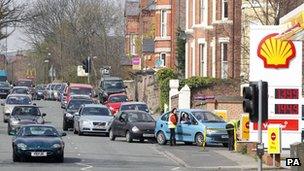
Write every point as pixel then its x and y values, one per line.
pixel 132 8
pixel 95 105
pixel 81 85
pixel 132 103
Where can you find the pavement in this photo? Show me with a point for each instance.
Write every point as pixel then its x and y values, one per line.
pixel 99 153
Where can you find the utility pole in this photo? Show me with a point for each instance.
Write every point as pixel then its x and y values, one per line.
pixel 89 68
pixel 260 145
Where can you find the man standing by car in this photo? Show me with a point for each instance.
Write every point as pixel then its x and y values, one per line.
pixel 172 121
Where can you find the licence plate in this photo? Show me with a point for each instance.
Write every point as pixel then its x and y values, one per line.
pixel 99 127
pixel 224 136
pixel 38 154
pixel 148 135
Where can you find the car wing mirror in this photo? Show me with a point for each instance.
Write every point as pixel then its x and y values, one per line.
pixel 34 104
pixel 63 134
pixel 43 114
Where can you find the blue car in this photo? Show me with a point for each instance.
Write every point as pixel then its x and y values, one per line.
pixel 191 126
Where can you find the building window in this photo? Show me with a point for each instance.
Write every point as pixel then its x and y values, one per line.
pixel 202 59
pixel 201 11
pixel 132 44
pixel 224 9
pixel 224 57
pixel 163 21
pixel 162 58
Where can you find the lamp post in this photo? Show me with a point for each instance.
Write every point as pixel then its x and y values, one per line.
pixel 45 70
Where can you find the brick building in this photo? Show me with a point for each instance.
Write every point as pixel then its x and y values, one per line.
pixel 213 29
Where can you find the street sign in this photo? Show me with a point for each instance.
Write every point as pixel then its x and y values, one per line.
pixel 245 127
pixel 136 63
pixel 222 114
pixel 274 139
pixel 81 72
pixel 280 64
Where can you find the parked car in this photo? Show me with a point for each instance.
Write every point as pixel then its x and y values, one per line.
pixel 78 89
pixel 13 100
pixel 92 118
pixel 73 107
pixel 110 85
pixel 39 90
pixel 5 88
pixel 132 124
pixel 115 100
pixel 61 91
pixel 190 127
pixel 55 93
pixel 23 115
pixel 38 141
pixel 27 83
pixel 20 90
pixel 134 106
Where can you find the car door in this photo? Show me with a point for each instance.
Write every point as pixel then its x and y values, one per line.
pixel 162 125
pixel 188 127
pixel 123 124
pixel 179 130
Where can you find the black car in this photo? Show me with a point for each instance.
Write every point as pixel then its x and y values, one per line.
pixel 132 124
pixel 110 85
pixel 5 89
pixel 72 107
pixel 39 92
pixel 23 115
pixel 38 141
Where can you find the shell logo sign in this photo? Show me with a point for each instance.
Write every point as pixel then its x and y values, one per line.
pixel 276 53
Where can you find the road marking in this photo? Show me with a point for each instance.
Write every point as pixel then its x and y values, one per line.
pixel 86 166
pixel 176 168
pixel 76 148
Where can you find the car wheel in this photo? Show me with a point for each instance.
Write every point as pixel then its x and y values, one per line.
pixel 4 120
pixel 141 140
pixel 15 157
pixel 161 138
pixel 111 135
pixel 225 144
pixel 80 133
pixel 64 126
pixel 188 143
pixel 199 139
pixel 74 130
pixel 60 158
pixel 128 137
pixel 9 129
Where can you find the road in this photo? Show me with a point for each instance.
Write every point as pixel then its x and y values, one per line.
pixel 99 153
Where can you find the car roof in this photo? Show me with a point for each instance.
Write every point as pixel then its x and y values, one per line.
pixel 30 105
pixel 46 125
pixel 138 111
pixel 81 85
pixel 81 99
pixel 111 78
pixel 19 95
pixel 193 110
pixel 117 94
pixel 133 103
pixel 95 105
pixel 20 87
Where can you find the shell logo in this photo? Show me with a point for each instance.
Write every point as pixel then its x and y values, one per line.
pixel 276 53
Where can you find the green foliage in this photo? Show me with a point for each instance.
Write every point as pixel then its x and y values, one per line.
pixel 180 43
pixel 197 82
pixel 163 77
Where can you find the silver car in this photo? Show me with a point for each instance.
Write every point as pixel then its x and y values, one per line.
pixel 92 118
pixel 13 100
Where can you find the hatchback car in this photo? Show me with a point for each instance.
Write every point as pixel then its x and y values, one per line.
pixel 73 107
pixel 115 100
pixel 38 141
pixel 23 115
pixel 13 100
pixel 141 106
pixel 5 89
pixel 92 118
pixel 132 124
pixel 190 127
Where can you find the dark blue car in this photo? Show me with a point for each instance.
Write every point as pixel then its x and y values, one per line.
pixel 38 141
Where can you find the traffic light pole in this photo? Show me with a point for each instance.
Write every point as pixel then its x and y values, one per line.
pixel 260 126
pixel 89 69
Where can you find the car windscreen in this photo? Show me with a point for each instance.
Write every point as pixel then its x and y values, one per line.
pixel 44 131
pixel 27 83
pixel 121 98
pixel 113 84
pixel 13 100
pixel 52 87
pixel 97 111
pixel 81 91
pixel 76 104
pixel 141 107
pixel 205 116
pixel 20 91
pixel 139 117
pixel 26 110
pixel 57 87
pixel 40 87
pixel 4 84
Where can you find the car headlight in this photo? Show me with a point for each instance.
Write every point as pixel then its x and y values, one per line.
pixel 86 123
pixel 68 115
pixel 22 146
pixel 209 131
pixel 14 122
pixel 39 92
pixel 135 129
pixel 56 146
pixel 40 120
pixel 111 108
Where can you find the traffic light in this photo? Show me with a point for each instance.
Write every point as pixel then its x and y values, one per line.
pixel 86 65
pixel 251 101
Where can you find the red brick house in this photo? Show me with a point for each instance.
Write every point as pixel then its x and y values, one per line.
pixel 213 29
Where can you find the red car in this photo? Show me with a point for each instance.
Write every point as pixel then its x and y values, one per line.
pixel 114 101
pixel 78 89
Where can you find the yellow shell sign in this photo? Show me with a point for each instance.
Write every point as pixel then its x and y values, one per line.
pixel 276 53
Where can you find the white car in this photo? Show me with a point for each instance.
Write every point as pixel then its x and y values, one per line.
pixel 13 100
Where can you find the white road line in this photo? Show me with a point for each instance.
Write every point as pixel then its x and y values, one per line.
pixel 86 166
pixel 75 148
pixel 176 168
